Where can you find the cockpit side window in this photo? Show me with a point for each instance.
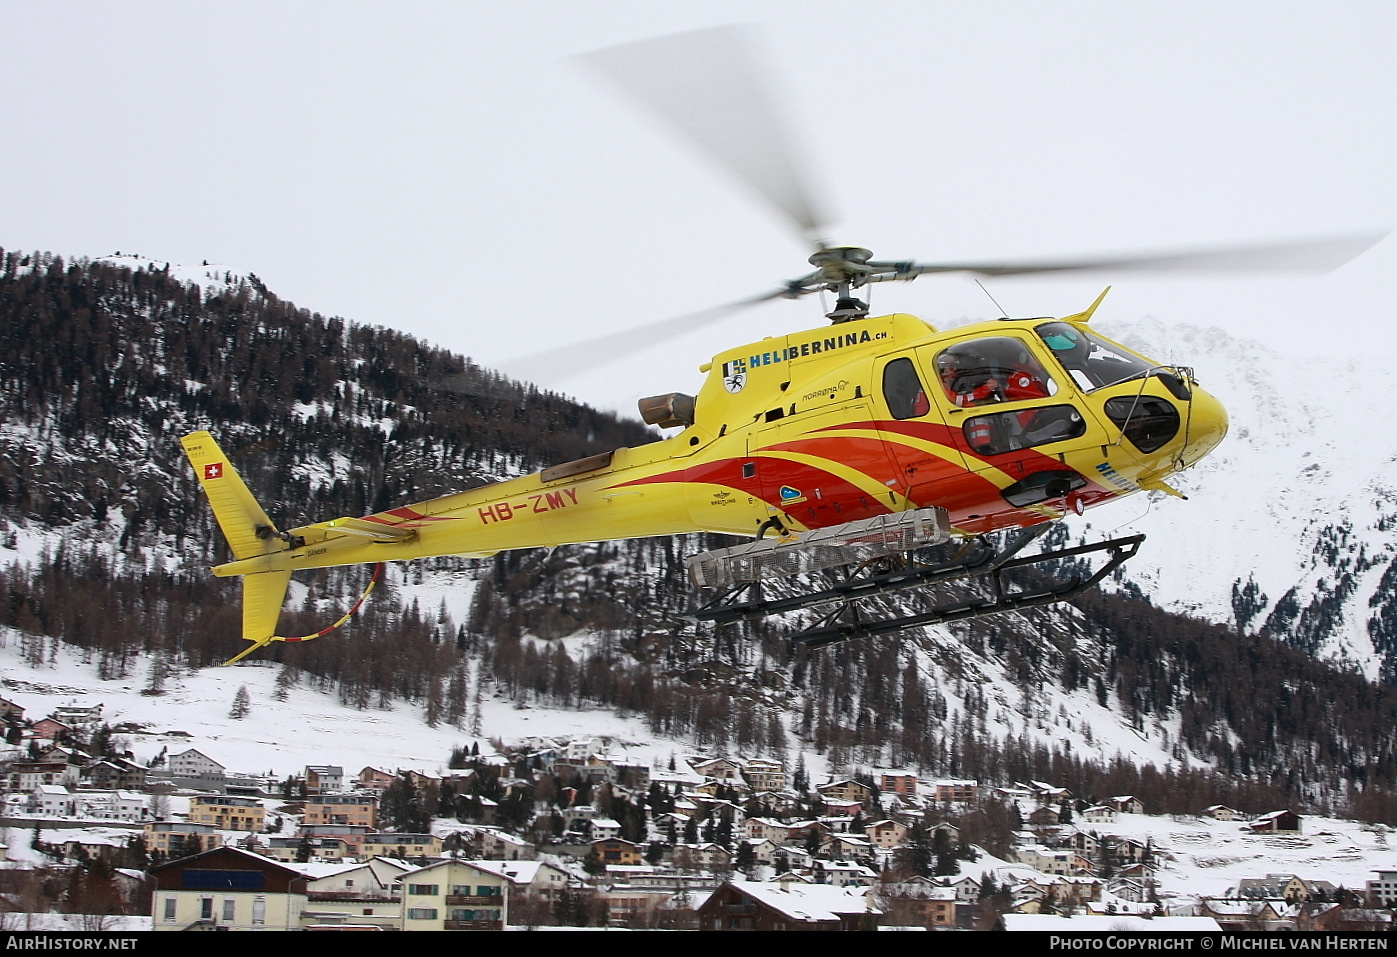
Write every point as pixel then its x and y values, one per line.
pixel 1091 361
pixel 903 390
pixel 994 369
pixel 1001 432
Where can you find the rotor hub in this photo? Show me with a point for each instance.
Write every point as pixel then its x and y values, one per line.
pixel 841 263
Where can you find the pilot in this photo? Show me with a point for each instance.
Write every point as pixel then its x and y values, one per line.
pixel 959 381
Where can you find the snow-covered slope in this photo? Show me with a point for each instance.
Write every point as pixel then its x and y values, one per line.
pixel 1288 524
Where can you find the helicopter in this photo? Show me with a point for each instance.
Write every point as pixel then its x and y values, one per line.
pixel 864 444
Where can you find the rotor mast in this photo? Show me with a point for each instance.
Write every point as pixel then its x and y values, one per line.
pixel 843 268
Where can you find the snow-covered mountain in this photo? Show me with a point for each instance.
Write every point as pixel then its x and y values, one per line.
pixel 1288 525
pixel 98 510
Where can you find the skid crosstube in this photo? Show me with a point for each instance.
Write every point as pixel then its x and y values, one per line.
pixel 985 562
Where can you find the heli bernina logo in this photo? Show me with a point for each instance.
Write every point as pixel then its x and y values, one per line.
pixel 213 470
pixel 735 375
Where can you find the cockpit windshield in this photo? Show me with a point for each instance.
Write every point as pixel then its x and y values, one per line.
pixel 1091 362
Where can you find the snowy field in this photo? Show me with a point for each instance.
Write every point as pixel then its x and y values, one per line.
pixel 1197 857
pixel 279 738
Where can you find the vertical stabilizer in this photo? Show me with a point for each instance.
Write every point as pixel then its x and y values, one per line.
pixel 249 533
pixel 246 527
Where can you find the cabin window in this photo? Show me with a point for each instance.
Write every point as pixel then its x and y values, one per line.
pixel 1006 431
pixel 903 390
pixel 1091 361
pixel 994 369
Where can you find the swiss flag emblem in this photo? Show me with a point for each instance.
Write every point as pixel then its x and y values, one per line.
pixel 213 470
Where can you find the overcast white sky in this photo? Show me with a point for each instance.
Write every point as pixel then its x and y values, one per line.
pixel 442 168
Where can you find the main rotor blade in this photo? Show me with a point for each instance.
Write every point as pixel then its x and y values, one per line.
pixel 1320 255
pixel 565 361
pixel 708 86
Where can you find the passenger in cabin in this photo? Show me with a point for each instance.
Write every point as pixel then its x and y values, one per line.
pixel 1026 380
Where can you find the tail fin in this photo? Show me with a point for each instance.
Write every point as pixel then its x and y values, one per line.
pixel 249 533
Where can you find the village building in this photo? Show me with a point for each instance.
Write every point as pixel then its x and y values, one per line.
pixel 495 844
pixel 78 718
pixel 702 857
pixel 917 903
pixel 530 882
pixel 373 779
pixel 1276 822
pixel 361 809
pixel 366 894
pixel 1098 814
pixel 1290 887
pixel 402 846
pixel 765 775
pixel 290 850
pixel 1382 890
pixel 175 839
pixel 110 805
pixel 723 769
pixel 227 813
pixel 50 800
pixel 229 889
pixel 750 905
pixel 897 782
pixel 195 770
pixel 49 729
pixel 957 792
pixel 851 791
pixel 613 850
pixel 886 834
pixel 26 776
pixel 116 773
pixel 324 779
pixel 455 895
pixel 840 873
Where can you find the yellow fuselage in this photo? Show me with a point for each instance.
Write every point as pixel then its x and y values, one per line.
pixel 800 430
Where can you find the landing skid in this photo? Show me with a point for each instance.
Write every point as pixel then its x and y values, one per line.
pixel 979 559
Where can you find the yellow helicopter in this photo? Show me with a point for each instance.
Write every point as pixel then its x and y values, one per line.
pixel 861 443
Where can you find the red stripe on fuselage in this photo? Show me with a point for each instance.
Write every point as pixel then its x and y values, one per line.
pixel 1015 464
pixel 866 455
pixel 838 501
pixel 973 501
